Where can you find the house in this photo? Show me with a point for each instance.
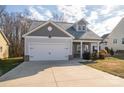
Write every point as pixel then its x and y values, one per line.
pixel 115 39
pixel 4 46
pixel 103 43
pixel 48 40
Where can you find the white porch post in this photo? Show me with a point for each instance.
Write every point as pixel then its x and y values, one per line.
pixel 98 49
pixel 81 51
pixel 91 50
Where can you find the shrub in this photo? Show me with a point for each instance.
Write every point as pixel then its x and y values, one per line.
pixel 107 49
pixel 111 52
pixel 94 55
pixel 102 54
pixel 86 55
pixel 103 51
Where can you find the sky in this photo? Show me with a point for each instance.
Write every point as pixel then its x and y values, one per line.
pixel 101 18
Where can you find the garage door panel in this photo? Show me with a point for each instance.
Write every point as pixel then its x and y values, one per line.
pixel 48 52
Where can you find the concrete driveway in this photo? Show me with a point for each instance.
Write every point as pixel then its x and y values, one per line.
pixel 58 74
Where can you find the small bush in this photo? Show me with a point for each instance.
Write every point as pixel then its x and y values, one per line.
pixel 94 55
pixel 102 54
pixel 107 49
pixel 86 55
pixel 111 52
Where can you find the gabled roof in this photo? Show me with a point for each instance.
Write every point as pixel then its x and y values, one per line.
pixel 5 38
pixel 118 29
pixel 45 23
pixel 83 21
pixel 90 35
pixel 69 28
pixel 63 25
pixel 105 36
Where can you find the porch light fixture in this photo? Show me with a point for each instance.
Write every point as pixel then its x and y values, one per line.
pixel 50 28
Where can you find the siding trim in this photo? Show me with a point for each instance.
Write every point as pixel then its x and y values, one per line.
pixel 47 37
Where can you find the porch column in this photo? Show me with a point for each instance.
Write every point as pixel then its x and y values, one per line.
pixel 98 49
pixel 81 51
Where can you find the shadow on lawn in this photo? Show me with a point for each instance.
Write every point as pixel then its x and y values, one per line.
pixel 91 62
pixel 119 56
pixel 31 68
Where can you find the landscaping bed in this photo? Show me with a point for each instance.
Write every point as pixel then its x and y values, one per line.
pixel 9 63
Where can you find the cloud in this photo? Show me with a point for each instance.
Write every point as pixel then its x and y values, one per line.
pixel 102 19
pixel 34 14
pixel 106 26
pixel 107 9
pixel 39 13
pixel 72 13
pixel 93 17
pixel 48 14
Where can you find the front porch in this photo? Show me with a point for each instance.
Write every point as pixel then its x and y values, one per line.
pixel 82 46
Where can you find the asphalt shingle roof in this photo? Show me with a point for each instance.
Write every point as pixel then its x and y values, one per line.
pixel 104 36
pixel 69 28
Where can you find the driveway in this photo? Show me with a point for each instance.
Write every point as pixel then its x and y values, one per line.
pixel 58 74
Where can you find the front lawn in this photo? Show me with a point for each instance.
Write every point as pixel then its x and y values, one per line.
pixel 113 65
pixel 8 64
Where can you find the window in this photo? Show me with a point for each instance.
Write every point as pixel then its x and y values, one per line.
pixel 79 27
pixel 114 41
pixel 78 48
pixel 86 48
pixel 122 40
pixel 84 27
pixel 0 49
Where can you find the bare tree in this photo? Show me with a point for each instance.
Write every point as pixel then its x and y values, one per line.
pixel 2 8
pixel 58 18
pixel 15 25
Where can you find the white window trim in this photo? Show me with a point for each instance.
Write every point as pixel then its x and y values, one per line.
pixel 78 27
pixel 81 27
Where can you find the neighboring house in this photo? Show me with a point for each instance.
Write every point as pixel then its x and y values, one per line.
pixel 48 40
pixel 4 46
pixel 115 39
pixel 104 41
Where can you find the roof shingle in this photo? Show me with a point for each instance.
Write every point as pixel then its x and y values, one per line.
pixel 69 28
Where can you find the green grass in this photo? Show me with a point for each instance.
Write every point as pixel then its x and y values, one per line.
pixel 113 65
pixel 9 63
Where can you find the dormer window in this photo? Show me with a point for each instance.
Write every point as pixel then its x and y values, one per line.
pixel 81 28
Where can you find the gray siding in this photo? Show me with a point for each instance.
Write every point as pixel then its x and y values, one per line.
pixel 44 32
pixel 81 23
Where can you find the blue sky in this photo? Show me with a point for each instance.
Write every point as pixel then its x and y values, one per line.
pixel 102 18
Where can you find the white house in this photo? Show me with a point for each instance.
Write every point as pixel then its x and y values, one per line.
pixel 48 40
pixel 104 41
pixel 115 39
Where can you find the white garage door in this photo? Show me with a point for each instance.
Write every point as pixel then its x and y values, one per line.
pixel 48 52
